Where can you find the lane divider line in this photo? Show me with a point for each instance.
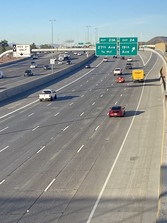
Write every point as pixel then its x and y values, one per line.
pixel 4 149
pixel 49 185
pixel 80 148
pixel 40 149
pixel 35 128
pixel 4 129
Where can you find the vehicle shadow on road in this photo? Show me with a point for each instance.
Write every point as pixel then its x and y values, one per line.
pixel 7 77
pixel 133 113
pixel 66 97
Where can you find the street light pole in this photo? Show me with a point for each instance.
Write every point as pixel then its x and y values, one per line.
pixel 88 33
pixel 52 21
pixel 96 35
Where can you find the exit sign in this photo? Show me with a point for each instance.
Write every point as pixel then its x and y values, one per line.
pixel 108 40
pixel 128 46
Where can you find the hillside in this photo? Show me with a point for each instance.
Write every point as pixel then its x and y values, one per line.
pixel 158 39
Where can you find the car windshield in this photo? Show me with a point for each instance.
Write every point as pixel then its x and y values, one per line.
pixel 116 108
pixel 46 92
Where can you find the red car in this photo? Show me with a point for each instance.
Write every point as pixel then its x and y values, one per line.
pixel 120 80
pixel 117 111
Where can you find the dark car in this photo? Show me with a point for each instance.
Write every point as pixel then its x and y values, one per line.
pixel 128 66
pixel 117 111
pixel 46 67
pixel 68 62
pixel 28 73
pixel 87 66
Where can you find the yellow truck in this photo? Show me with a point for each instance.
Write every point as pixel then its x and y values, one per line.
pixel 138 75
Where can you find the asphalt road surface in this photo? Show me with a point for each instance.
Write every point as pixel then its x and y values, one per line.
pixel 67 161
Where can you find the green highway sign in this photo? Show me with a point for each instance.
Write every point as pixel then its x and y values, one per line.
pixel 106 49
pixel 108 40
pixel 128 46
pixel 107 46
pixel 128 40
pixel 128 49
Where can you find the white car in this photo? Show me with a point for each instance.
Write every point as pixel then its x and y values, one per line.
pixel 1 74
pixel 105 59
pixel 117 71
pixel 33 65
pixel 129 59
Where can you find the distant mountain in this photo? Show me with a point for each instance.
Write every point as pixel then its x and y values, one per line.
pixel 158 39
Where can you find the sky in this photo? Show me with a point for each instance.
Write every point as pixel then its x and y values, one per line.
pixel 47 21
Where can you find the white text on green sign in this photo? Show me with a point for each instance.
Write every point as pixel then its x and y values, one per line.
pixel 108 39
pixel 128 40
pixel 106 49
pixel 128 49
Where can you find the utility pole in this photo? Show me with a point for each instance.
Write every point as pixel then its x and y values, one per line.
pixel 52 22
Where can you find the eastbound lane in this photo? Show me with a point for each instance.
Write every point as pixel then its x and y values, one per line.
pixel 66 161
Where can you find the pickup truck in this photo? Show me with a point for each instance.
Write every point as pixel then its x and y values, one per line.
pixel 47 95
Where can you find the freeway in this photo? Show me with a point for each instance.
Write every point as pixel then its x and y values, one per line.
pixel 14 73
pixel 67 161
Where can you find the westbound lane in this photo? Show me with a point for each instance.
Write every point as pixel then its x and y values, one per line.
pixel 57 168
pixel 14 73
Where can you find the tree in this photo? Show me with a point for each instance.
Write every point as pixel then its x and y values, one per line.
pixel 45 46
pixel 33 46
pixel 3 45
